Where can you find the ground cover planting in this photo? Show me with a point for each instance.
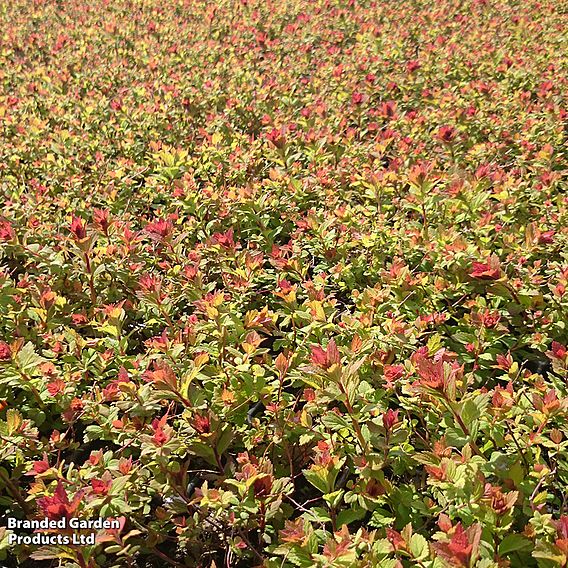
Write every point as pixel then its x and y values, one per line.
pixel 283 283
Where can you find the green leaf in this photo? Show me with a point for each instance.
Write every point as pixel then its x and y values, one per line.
pixel 93 432
pixel 548 554
pixel 419 547
pixel 317 476
pixel 298 557
pixel 51 553
pixel 224 440
pixel 334 421
pixel 13 421
pixel 319 515
pixel 204 451
pixel 349 516
pixel 434 344
pixel 334 499
pixel 27 358
pixel 381 518
pixel 473 408
pixel 388 563
pixel 513 542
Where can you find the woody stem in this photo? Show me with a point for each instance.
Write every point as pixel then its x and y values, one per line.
pixel 464 428
pixel 351 411
pixel 15 493
pixel 92 291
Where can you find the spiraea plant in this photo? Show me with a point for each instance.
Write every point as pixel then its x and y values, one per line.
pixel 283 282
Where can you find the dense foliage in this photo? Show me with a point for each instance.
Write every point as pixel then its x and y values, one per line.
pixel 283 283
